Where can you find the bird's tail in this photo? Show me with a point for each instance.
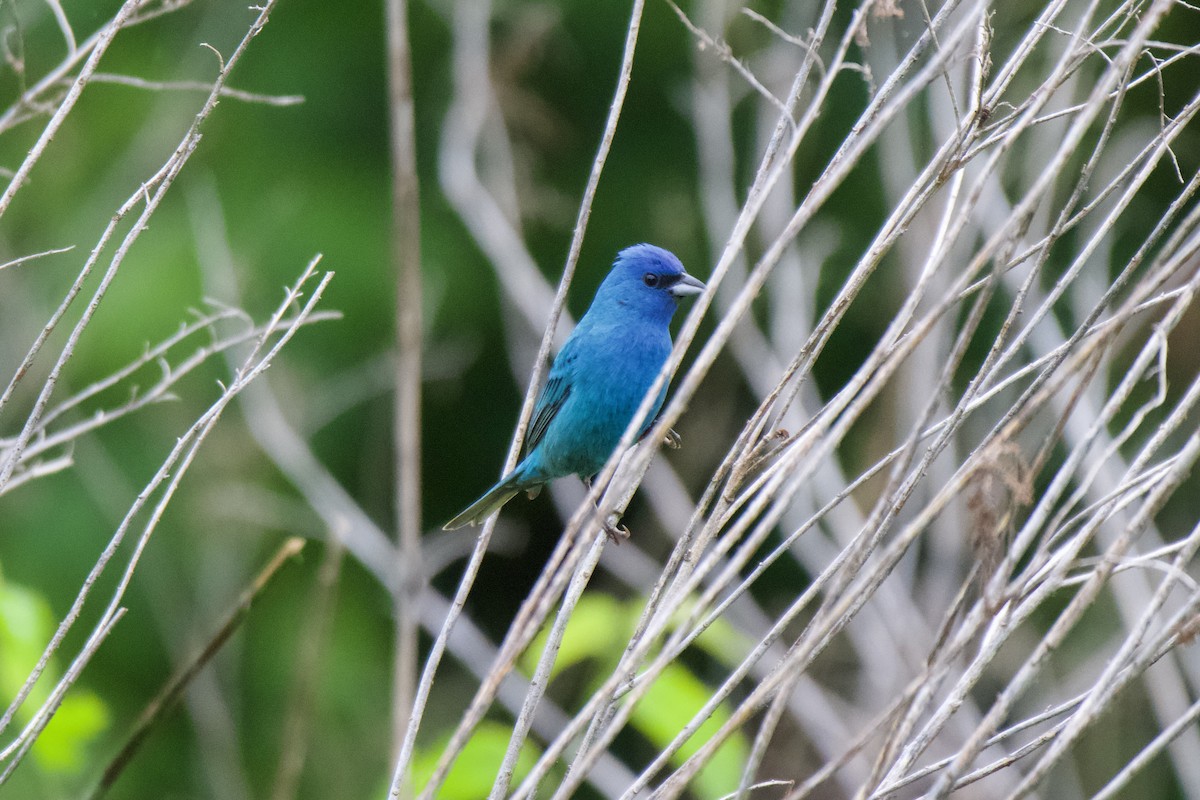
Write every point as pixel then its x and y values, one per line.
pixel 492 500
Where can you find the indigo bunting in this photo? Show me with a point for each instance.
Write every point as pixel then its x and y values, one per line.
pixel 598 379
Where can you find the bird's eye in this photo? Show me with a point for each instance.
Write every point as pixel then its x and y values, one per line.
pixel 650 279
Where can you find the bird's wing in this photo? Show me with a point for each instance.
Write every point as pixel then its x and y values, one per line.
pixel 554 394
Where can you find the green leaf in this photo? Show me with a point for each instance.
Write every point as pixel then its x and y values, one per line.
pixel 26 624
pixel 62 745
pixel 721 639
pixel 472 774
pixel 597 628
pixel 668 706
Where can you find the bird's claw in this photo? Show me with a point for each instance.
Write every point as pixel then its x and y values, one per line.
pixel 672 439
pixel 614 530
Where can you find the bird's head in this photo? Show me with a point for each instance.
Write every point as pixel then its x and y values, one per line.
pixel 649 280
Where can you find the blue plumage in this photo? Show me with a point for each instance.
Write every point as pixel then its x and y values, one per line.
pixel 599 378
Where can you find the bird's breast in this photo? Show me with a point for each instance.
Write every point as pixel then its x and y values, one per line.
pixel 611 374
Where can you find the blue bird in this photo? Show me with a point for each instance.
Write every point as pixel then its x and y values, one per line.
pixel 599 378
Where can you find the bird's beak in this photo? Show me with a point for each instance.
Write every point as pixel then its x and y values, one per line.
pixel 687 285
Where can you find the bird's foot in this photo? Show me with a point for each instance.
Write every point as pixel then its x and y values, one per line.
pixel 614 530
pixel 672 439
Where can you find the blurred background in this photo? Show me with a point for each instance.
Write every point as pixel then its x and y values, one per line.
pixel 271 185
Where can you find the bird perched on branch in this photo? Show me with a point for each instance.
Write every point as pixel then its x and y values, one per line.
pixel 599 378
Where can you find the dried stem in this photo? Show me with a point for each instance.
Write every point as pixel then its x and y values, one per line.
pixel 167 698
pixel 406 257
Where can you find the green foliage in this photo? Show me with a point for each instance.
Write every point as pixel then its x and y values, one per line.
pixel 473 773
pixel 597 628
pixel 26 625
pixel 668 706
pixel 596 634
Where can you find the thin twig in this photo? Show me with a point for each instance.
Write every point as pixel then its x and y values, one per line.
pixel 171 692
pixel 406 258
pixel 281 100
pixel 297 723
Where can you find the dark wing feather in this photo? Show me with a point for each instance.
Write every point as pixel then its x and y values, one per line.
pixel 554 394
